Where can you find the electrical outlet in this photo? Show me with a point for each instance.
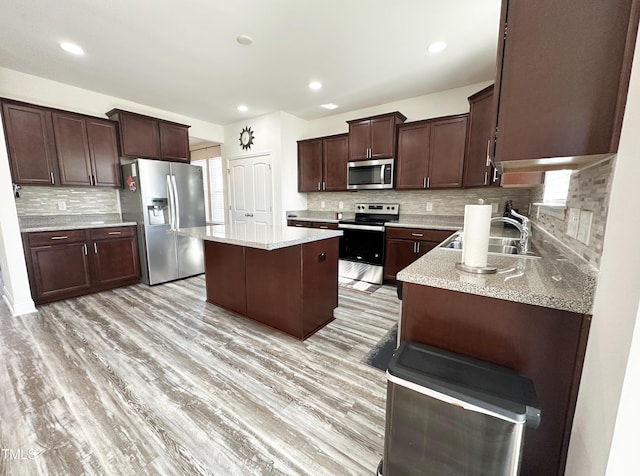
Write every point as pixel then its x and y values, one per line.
pixel 494 208
pixel 584 227
pixel 429 206
pixel 62 205
pixel 572 224
pixel 340 205
pixel 322 204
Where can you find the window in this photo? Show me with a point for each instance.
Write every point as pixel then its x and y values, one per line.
pixel 556 187
pixel 213 188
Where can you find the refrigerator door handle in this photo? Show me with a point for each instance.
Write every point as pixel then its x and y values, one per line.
pixel 171 205
pixel 176 201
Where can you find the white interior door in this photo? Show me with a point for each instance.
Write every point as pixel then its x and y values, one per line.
pixel 250 195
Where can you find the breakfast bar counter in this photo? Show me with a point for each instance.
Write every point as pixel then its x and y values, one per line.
pixel 283 277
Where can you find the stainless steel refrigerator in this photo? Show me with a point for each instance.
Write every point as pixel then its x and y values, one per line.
pixel 159 196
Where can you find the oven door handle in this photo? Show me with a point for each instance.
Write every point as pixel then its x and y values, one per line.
pixel 348 226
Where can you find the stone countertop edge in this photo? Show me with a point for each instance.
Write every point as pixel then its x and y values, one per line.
pixel 434 222
pixel 75 226
pixel 309 235
pixel 553 280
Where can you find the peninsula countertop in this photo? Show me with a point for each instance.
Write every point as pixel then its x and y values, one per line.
pixel 270 237
pixel 557 279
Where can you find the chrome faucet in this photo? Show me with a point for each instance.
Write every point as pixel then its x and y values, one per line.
pixel 524 228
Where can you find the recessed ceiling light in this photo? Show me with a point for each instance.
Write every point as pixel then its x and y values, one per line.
pixel 242 108
pixel 71 48
pixel 315 85
pixel 329 106
pixel 437 47
pixel 244 40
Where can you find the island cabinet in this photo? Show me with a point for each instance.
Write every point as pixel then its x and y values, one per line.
pixel 322 163
pixel 546 345
pixel 151 138
pixel 374 137
pixel 431 153
pixel 292 289
pixel 87 151
pixel 562 79
pixel 405 245
pixel 477 172
pixel 30 143
pixel 69 263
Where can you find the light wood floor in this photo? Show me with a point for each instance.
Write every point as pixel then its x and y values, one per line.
pixel 154 380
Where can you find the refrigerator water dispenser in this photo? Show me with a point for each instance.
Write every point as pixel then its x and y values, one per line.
pixel 158 211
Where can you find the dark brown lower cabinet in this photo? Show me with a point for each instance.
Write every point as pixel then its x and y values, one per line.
pixel 292 289
pixel 545 345
pixel 70 263
pixel 405 245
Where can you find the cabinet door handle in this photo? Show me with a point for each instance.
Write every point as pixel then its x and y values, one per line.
pixel 428 181
pixel 319 186
pixel 53 180
pixel 84 247
pixel 115 232
pixel 424 182
pixel 297 224
pixel 488 153
pixel 417 234
pixel 495 174
pixel 418 247
pixel 324 185
pixel 486 176
pixel 414 247
pixel 95 248
pixel 63 237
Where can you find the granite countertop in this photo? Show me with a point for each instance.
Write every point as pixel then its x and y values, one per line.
pixel 29 224
pixel 434 222
pixel 557 279
pixel 317 215
pixel 271 238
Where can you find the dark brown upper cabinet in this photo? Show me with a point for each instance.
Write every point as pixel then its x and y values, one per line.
pixel 477 171
pixel 32 153
pixel 151 138
pixel 322 163
pixel 87 150
pixel 562 81
pixel 374 137
pixel 431 153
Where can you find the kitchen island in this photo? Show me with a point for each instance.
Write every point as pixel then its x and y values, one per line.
pixel 283 277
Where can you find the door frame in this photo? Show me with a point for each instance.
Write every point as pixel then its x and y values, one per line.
pixel 229 189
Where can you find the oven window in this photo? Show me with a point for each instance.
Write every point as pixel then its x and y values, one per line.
pixel 365 175
pixel 364 246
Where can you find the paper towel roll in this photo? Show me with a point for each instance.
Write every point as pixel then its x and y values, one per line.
pixel 475 244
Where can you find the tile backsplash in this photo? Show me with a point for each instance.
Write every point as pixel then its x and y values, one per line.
pixel 414 202
pixel 589 190
pixel 75 201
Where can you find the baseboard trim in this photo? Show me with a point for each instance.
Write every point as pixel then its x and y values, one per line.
pixel 18 308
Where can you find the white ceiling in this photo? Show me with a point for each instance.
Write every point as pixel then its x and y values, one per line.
pixel 182 55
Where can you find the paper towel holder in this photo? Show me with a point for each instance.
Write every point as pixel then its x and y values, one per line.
pixel 476 269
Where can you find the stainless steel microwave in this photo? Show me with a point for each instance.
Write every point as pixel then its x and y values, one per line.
pixel 370 174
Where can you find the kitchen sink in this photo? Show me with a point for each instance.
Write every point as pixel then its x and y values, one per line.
pixel 497 244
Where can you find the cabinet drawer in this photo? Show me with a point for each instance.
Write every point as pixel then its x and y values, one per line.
pixel 44 238
pixel 418 234
pixel 325 225
pixel 111 232
pixel 300 223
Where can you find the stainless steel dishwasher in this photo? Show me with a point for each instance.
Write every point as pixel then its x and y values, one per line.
pixel 449 415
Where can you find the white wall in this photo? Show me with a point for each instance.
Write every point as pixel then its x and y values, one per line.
pixel 293 129
pixel 602 416
pixel 444 103
pixel 28 88
pixel 16 291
